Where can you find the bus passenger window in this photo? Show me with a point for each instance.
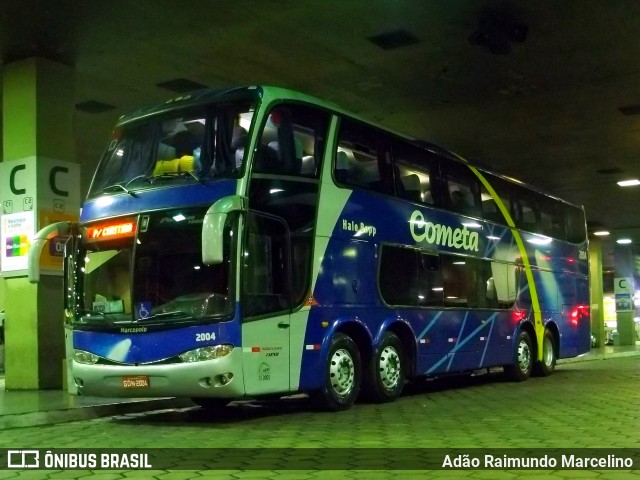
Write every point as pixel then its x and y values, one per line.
pixel 292 141
pixel 369 163
pixel 456 281
pixel 414 171
pixel 410 278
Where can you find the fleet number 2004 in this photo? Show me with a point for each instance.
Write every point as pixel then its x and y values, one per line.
pixel 205 337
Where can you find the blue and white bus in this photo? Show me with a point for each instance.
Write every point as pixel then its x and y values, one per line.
pixel 258 241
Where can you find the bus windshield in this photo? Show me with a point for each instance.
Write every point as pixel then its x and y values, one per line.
pixel 193 144
pixel 152 272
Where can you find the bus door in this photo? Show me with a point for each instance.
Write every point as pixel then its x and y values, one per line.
pixel 266 304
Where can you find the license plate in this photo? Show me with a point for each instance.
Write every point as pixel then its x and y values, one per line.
pixel 137 381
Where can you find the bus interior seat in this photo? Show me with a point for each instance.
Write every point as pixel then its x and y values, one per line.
pixel 410 185
pixel 287 165
pixel 266 160
pixel 342 170
pixel 238 144
pixel 308 166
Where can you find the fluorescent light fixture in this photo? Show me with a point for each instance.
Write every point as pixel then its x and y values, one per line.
pixel 539 240
pixel 629 183
pixel 471 224
pixel 601 233
pixel 437 289
pixel 458 263
pixel 623 241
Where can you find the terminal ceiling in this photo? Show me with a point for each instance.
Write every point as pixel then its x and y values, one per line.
pixel 545 91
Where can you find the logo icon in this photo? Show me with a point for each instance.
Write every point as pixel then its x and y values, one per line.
pixel 23 459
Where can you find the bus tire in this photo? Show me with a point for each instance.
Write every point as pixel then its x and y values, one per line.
pixel 520 369
pixel 546 366
pixel 384 377
pixel 211 404
pixel 343 374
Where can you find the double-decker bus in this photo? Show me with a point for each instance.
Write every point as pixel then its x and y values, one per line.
pixel 258 241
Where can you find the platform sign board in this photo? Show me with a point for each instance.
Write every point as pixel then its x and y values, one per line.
pixel 623 290
pixel 35 192
pixel 17 230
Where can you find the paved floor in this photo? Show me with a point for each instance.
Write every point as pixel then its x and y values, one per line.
pixel 586 404
pixel 23 408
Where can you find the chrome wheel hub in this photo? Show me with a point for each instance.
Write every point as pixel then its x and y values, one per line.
pixel 342 372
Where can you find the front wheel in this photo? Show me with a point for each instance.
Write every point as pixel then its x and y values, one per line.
pixel 520 369
pixel 547 365
pixel 343 373
pixel 385 374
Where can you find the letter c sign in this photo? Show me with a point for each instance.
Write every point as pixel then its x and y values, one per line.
pixel 12 180
pixel 52 181
pixel 622 283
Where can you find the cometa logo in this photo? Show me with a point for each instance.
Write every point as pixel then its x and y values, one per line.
pixel 435 233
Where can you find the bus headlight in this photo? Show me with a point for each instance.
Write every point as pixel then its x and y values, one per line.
pixel 206 353
pixel 81 356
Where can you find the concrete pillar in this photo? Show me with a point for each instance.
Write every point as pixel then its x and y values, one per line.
pixel 596 286
pixel 36 182
pixel 624 290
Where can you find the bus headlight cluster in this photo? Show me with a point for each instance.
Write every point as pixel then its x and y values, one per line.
pixel 206 353
pixel 81 356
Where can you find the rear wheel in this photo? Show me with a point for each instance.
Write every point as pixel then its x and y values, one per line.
pixel 520 369
pixel 547 365
pixel 343 374
pixel 385 374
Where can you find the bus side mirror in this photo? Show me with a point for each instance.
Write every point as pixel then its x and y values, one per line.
pixel 213 227
pixel 37 244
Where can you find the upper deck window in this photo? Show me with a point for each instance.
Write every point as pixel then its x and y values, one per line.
pixel 203 142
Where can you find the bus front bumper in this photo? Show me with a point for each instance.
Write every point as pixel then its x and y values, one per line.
pixel 219 378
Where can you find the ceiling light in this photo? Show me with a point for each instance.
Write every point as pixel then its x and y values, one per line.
pixel 601 233
pixel 394 39
pixel 629 183
pixel 623 241
pixel 539 240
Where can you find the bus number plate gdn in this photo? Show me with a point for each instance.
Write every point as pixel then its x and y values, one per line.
pixel 137 381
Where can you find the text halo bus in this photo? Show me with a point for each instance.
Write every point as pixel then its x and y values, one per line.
pixel 258 241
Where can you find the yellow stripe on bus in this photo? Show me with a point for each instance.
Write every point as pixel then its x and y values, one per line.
pixel 537 315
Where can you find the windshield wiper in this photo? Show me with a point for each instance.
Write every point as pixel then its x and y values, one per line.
pixel 124 187
pixel 118 186
pixel 170 175
pixel 92 317
pixel 165 315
